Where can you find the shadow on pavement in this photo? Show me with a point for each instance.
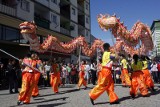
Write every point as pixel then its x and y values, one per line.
pixel 42 88
pixel 38 98
pixel 68 86
pixel 50 105
pixel 51 94
pixel 69 91
pixel 101 103
pixel 49 100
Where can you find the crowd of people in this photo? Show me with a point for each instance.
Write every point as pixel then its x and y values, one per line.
pixel 28 73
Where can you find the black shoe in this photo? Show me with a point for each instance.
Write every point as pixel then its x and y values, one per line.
pixel 133 96
pixel 19 102
pixel 116 102
pixel 146 95
pixel 11 92
pixel 24 103
pixel 153 89
pixel 92 101
pixel 85 88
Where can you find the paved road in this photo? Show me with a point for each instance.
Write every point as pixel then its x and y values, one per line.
pixel 70 97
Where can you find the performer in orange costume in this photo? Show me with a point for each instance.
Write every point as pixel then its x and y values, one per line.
pixel 38 64
pixel 55 76
pixel 124 74
pixel 27 81
pixel 81 76
pixel 106 82
pixel 137 78
pixel 147 76
pixel 99 68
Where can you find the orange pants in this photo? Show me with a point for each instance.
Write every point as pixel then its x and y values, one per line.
pixel 55 81
pixel 27 87
pixel 35 91
pixel 81 79
pixel 99 77
pixel 106 84
pixel 147 78
pixel 138 82
pixel 125 78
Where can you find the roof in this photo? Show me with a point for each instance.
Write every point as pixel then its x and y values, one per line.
pixel 154 21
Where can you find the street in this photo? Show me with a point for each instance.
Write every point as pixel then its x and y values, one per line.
pixel 69 96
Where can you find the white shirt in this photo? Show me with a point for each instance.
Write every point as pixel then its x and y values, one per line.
pixel 87 68
pixel 154 68
pixel 93 67
pixel 47 67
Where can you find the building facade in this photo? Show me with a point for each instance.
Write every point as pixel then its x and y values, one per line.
pixel 65 19
pixel 155 29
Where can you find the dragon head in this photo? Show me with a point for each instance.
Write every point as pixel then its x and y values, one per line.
pixel 28 27
pixel 106 22
pixel 28 30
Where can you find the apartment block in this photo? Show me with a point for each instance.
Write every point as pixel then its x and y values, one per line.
pixel 155 28
pixel 64 19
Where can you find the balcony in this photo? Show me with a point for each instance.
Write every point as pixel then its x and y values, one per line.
pixel 7 10
pixel 42 22
pixel 80 8
pixel 64 31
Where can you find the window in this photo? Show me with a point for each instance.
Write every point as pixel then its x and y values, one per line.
pixel 87 20
pixel 9 34
pixel 54 18
pixel 25 5
pixel 73 11
pixel 87 6
pixel 54 1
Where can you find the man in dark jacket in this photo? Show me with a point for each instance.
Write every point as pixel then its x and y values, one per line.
pixel 12 76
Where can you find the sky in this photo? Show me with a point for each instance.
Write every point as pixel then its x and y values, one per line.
pixel 129 11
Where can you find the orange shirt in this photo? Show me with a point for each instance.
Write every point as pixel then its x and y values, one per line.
pixel 55 68
pixel 82 68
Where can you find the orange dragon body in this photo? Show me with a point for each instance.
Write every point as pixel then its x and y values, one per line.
pixel 128 40
pixel 28 31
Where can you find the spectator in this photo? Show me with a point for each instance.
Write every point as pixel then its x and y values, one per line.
pixel 63 74
pixel 154 71
pixel 93 72
pixel 47 68
pixel 158 66
pixel 118 73
pixel 1 73
pixel 73 74
pixel 12 76
pixel 87 69
pixel 68 81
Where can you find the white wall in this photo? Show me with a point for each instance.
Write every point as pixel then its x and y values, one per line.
pixel 55 26
pixel 24 14
pixel 54 6
pixel 74 33
pixel 74 17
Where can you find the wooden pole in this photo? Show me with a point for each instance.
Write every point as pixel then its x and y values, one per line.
pixel 79 59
